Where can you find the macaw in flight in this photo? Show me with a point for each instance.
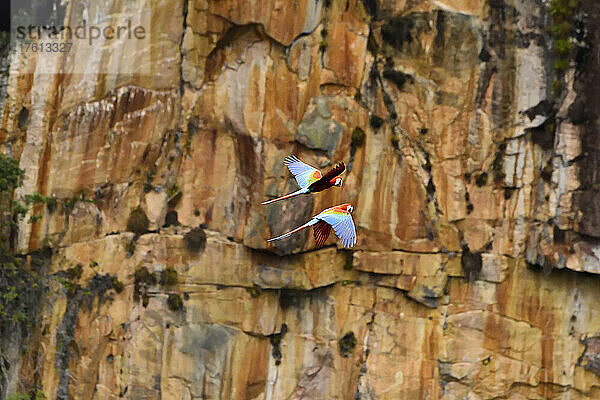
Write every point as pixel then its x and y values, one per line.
pixel 338 217
pixel 310 179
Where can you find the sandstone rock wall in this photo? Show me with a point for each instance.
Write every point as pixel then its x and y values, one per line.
pixel 475 189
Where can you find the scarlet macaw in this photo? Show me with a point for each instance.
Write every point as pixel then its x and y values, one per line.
pixel 338 217
pixel 309 178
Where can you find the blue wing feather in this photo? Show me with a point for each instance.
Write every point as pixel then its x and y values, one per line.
pixel 304 173
pixel 342 224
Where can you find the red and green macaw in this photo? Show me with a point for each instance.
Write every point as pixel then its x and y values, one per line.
pixel 310 179
pixel 338 217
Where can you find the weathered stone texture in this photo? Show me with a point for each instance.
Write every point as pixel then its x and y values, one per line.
pixel 473 158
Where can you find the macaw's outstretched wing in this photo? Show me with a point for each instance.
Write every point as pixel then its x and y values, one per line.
pixel 321 232
pixel 335 171
pixel 342 224
pixel 305 174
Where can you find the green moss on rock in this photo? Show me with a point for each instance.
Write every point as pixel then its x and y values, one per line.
pixel 138 222
pixel 254 291
pixel 358 137
pixel 169 276
pixel 118 285
pixel 75 272
pixel 175 302
pixel 142 275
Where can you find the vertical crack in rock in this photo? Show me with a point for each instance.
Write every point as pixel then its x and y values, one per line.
pixel 401 38
pixel 181 50
pixel 363 387
pixel 418 159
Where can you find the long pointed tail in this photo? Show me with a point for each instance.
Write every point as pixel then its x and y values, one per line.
pixel 287 196
pixel 306 225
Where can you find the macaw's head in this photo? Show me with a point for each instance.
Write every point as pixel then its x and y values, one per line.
pixel 348 207
pixel 338 182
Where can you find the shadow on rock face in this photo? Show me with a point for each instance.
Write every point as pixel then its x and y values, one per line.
pixel 454 47
pixel 205 341
pixel 286 215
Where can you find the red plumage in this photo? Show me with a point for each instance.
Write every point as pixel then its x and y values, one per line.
pixel 309 178
pixel 321 232
pixel 327 180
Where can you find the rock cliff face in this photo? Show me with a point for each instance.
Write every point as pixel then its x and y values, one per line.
pixel 473 161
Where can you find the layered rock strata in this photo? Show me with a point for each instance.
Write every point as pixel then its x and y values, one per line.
pixel 475 188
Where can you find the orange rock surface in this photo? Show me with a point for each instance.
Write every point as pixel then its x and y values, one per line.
pixel 476 272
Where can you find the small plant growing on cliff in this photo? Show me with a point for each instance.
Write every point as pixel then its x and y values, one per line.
pixel 75 272
pixel 358 137
pixel 254 291
pixel 11 176
pixel 175 302
pixel 118 285
pixel 169 276
pixel 13 210
pixel 51 204
pixel 347 343
pixel 70 287
pixel 138 222
pixel 142 275
pixel 142 279
pixel 376 122
pixel 563 13
pixel 195 240
pixel 81 195
pixel 21 286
